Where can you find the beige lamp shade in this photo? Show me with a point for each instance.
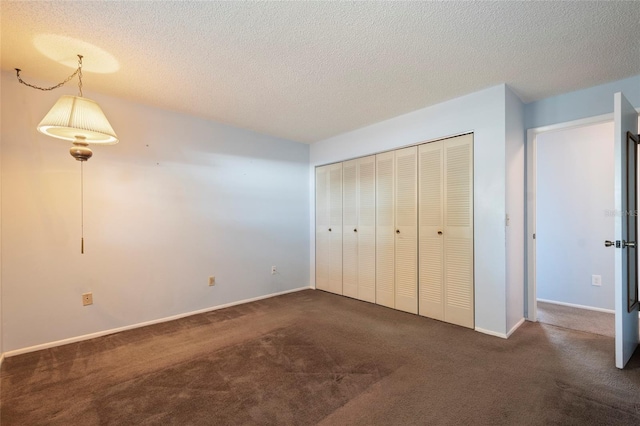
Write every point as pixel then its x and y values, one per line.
pixel 75 118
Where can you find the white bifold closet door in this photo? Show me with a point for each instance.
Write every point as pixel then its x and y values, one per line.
pixel 431 246
pixel 385 229
pixel 350 222
pixel 397 229
pixel 446 230
pixel 359 229
pixel 329 228
pixel 406 232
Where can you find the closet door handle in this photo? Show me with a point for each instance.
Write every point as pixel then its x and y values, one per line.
pixel 397 231
pixel 329 229
pixel 439 232
pixel 355 230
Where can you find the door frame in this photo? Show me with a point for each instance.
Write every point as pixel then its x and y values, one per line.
pixel 531 305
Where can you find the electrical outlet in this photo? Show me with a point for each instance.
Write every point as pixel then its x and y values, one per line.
pixel 273 270
pixel 87 299
pixel 596 280
pixel 212 280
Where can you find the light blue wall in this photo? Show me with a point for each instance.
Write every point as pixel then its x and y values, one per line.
pixel 484 114
pixel 584 103
pixel 179 199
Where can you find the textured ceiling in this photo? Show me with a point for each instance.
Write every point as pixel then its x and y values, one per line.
pixel 306 71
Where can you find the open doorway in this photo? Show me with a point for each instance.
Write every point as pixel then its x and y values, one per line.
pixel 574 215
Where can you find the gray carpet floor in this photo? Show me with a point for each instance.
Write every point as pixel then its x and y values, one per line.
pixel 577 319
pixel 316 358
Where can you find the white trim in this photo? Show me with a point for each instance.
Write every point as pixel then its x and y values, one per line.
pixel 491 333
pixel 531 312
pixel 515 327
pixel 142 324
pixel 501 335
pixel 531 174
pixel 589 121
pixel 573 305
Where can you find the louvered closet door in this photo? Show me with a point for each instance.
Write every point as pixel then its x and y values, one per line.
pixel 350 228
pixel 335 221
pixel 458 231
pixel 431 239
pixel 323 223
pixel 406 238
pixel 366 229
pixel 385 229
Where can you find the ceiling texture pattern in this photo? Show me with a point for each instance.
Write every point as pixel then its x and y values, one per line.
pixel 307 71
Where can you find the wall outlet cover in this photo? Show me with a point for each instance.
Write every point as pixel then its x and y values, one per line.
pixel 87 299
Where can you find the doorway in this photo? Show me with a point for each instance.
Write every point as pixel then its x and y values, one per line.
pixel 569 204
pixel 574 203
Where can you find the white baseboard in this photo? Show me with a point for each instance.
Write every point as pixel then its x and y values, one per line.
pixel 491 333
pixel 142 324
pixel 572 305
pixel 515 327
pixel 501 335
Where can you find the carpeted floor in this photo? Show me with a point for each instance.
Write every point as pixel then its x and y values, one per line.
pixel 316 358
pixel 577 319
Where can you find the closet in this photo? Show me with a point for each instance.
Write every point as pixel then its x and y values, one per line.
pixel 329 228
pixel 396 229
pixel 359 233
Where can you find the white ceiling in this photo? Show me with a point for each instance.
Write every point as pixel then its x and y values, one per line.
pixel 306 71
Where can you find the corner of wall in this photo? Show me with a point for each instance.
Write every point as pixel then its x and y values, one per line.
pixel 515 209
